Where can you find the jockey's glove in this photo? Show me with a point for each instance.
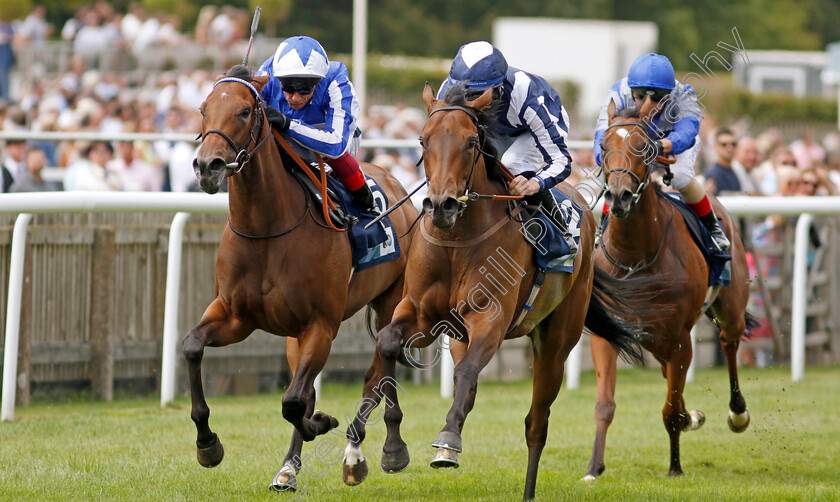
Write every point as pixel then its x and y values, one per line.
pixel 277 119
pixel 658 147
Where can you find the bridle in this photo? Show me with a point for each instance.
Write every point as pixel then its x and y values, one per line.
pixel 642 183
pixel 479 151
pixel 257 122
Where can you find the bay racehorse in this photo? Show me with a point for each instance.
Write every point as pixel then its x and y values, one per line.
pixel 280 267
pixel 647 237
pixel 451 290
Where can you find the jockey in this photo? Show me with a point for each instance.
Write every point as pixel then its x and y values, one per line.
pixel 313 101
pixel 674 128
pixel 532 123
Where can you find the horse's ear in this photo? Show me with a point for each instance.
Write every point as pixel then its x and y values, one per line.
pixel 480 102
pixel 648 110
pixel 259 82
pixel 429 97
pixel 611 113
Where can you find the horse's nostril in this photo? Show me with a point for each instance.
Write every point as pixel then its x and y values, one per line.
pixel 626 197
pixel 427 205
pixel 450 205
pixel 608 197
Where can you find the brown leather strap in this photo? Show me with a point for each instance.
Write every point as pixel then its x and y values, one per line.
pixel 475 240
pixel 322 187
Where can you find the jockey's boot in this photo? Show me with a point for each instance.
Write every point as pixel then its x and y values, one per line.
pixel 552 210
pixel 718 235
pixel 364 199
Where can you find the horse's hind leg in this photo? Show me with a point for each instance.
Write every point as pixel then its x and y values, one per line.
pixel 604 356
pixel 214 329
pixel 730 338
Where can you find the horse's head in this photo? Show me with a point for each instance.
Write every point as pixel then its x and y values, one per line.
pixel 232 125
pixel 451 141
pixel 626 154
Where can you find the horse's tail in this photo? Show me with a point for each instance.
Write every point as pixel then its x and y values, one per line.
pixel 613 301
pixel 370 319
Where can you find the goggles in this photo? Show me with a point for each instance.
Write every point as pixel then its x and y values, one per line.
pixel 655 94
pixel 301 85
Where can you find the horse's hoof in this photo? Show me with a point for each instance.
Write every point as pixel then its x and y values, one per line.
pixel 212 455
pixel 449 441
pixel 285 480
pixel 674 473
pixel 395 461
pixel 588 478
pixel 738 422
pixel 698 418
pixel 324 420
pixel 445 458
pixel 354 474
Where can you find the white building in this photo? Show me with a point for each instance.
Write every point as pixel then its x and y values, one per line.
pixel 593 54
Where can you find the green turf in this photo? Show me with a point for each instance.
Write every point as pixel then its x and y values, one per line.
pixel 133 450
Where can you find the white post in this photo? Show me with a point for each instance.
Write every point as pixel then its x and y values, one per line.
pixel 797 312
pixel 447 369
pixel 573 366
pixel 360 52
pixel 689 375
pixel 170 314
pixel 317 385
pixel 10 355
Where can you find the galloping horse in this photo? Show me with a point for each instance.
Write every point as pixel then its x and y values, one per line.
pixel 450 290
pixel 647 237
pixel 279 268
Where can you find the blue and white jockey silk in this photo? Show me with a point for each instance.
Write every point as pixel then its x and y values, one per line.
pixel 679 120
pixel 327 124
pixel 534 118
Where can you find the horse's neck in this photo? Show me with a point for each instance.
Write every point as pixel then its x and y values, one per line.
pixel 264 198
pixel 637 237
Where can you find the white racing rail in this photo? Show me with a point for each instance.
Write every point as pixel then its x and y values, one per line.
pixel 184 204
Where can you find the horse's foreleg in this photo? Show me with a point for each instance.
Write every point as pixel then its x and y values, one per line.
pixel 285 479
pixel 484 341
pixel 313 349
pixel 217 329
pixel 604 356
pixel 674 414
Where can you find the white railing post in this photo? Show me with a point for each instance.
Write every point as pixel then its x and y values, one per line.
pixel 447 369
pixel 170 313
pixel 800 294
pixel 573 366
pixel 689 376
pixel 10 355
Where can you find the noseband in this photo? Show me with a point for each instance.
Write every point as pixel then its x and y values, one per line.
pixel 243 155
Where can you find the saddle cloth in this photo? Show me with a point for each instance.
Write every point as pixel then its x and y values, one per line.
pixel 719 263
pixel 378 244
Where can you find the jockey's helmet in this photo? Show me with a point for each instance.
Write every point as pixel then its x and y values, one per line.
pixel 300 63
pixel 653 71
pixel 480 65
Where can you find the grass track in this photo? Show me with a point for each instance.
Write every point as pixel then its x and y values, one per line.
pixel 132 450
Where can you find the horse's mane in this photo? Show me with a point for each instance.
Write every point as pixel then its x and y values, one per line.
pixel 240 71
pixel 487 137
pixel 629 113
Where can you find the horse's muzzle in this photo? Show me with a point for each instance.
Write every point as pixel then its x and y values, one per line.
pixel 620 203
pixel 210 173
pixel 443 211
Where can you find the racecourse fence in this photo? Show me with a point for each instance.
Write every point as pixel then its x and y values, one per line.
pixel 93 300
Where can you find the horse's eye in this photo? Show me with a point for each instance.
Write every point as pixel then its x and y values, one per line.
pixel 421 142
pixel 246 112
pixel 473 142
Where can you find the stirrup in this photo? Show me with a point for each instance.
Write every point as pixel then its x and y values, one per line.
pixel 719 238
